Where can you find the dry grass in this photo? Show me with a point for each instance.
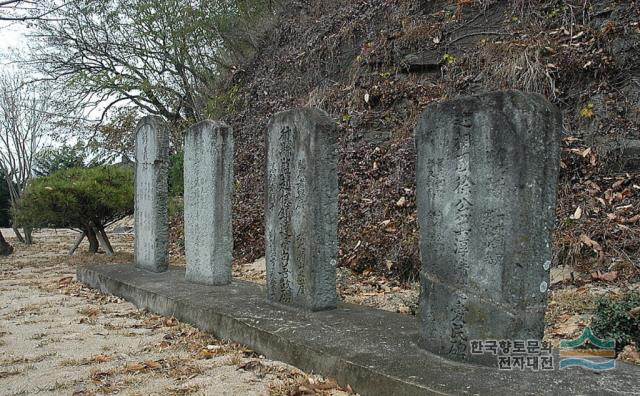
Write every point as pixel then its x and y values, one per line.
pixel 97 359
pixel 11 373
pixel 183 390
pixel 516 65
pixel 89 311
pixel 574 301
pixel 24 360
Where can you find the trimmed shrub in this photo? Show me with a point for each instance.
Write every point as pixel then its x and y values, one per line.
pixel 81 198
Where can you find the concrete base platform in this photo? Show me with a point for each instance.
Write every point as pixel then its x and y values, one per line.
pixel 374 351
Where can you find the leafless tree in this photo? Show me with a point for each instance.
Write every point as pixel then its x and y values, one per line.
pixel 16 11
pixel 163 56
pixel 28 10
pixel 24 121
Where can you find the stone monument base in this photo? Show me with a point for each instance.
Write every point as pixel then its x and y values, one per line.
pixel 372 350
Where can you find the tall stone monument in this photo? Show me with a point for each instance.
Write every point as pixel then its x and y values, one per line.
pixel 151 217
pixel 208 190
pixel 487 171
pixel 302 209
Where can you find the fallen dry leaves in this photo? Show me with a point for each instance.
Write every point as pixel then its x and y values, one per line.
pixel 604 276
pixel 630 354
pixel 311 386
pixel 120 349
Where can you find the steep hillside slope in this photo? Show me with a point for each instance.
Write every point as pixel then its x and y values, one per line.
pixel 374 65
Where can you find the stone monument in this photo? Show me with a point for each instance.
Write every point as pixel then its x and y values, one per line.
pixel 487 170
pixel 151 190
pixel 208 194
pixel 302 209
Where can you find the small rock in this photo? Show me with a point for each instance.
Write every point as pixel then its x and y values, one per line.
pixel 561 274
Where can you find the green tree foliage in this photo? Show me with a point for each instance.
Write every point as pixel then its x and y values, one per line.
pixel 53 159
pixel 5 248
pixel 79 198
pixel 164 56
pixel 117 135
pixel 176 174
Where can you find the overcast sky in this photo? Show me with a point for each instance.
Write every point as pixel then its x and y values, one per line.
pixel 11 37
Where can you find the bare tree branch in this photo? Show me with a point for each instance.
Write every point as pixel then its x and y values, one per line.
pixel 164 56
pixel 24 121
pixel 13 10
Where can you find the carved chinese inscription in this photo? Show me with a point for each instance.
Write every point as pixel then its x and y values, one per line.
pixel 208 190
pixel 462 233
pixel 151 191
pixel 301 209
pixel 487 171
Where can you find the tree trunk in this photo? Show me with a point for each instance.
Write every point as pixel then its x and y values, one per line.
pixel 104 241
pixel 18 234
pixel 106 238
pixel 13 199
pixel 77 243
pixel 27 235
pixel 5 248
pixel 93 240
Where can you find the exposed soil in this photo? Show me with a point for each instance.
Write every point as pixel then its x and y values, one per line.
pixel 571 301
pixel 374 66
pixel 59 337
pixel 362 289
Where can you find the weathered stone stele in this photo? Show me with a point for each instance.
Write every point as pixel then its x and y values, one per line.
pixel 208 189
pixel 302 209
pixel 487 170
pixel 151 217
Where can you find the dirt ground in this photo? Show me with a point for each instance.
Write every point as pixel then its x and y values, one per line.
pixel 59 337
pixel 570 305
